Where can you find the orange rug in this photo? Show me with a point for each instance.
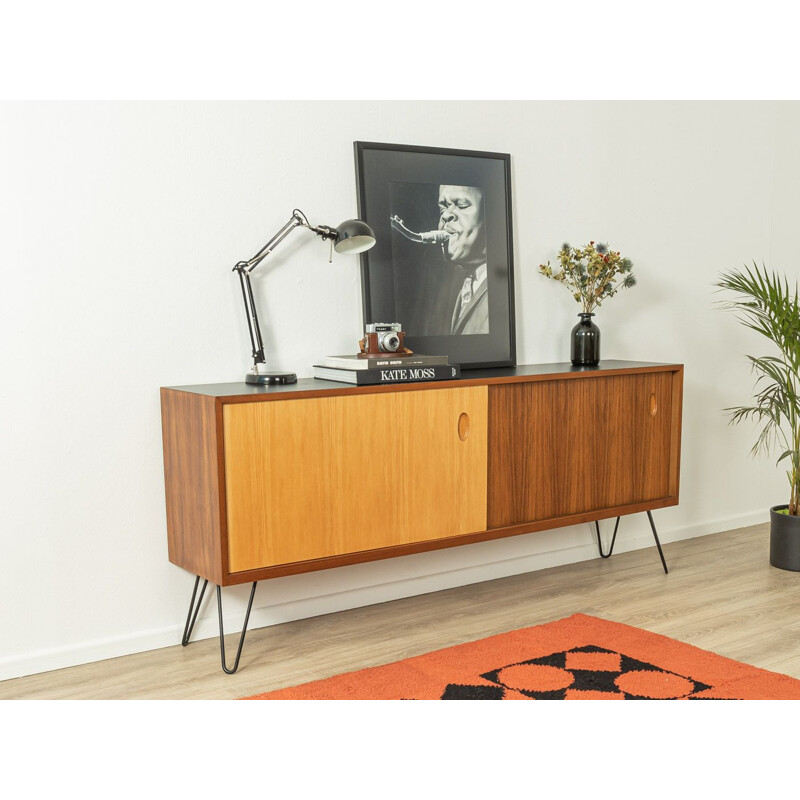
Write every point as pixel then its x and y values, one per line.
pixel 577 658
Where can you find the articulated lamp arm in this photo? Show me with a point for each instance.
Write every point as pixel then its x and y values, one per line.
pixel 244 268
pixel 351 236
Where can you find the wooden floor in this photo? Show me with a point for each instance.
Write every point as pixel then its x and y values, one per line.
pixel 721 594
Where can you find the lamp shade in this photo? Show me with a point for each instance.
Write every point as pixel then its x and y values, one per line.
pixel 353 236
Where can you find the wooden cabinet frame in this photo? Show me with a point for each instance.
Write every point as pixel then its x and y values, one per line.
pixel 640 404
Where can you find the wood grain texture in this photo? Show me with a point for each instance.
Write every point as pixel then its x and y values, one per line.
pixel 192 482
pixel 319 477
pixel 560 448
pixel 363 556
pixel 675 433
pixel 195 441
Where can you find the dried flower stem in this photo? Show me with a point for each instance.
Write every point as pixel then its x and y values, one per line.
pixel 592 273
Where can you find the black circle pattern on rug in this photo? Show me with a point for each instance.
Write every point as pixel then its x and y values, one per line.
pixel 581 673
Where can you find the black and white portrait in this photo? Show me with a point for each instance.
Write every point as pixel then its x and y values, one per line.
pixel 449 293
pixel 442 263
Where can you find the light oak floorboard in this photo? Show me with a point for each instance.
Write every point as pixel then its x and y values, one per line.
pixel 721 595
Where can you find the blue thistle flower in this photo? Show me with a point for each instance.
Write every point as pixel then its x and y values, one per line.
pixel 601 248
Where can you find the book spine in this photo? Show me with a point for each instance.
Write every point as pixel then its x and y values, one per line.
pixel 386 363
pixel 439 372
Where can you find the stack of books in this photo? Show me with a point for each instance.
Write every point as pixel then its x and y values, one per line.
pixel 385 369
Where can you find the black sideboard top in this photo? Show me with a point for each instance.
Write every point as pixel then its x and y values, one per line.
pixel 307 385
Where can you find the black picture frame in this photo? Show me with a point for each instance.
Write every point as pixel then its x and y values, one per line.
pixel 418 282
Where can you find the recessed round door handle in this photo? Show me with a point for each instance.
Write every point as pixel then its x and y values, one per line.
pixel 463 426
pixel 653 405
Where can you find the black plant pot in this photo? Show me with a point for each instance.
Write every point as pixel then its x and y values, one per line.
pixel 585 350
pixel 784 540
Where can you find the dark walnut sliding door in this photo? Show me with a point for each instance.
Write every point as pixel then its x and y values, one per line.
pixel 565 447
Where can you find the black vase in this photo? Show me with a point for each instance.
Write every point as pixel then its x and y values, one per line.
pixel 585 342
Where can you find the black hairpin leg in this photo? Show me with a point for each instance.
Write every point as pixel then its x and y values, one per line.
pixel 192 617
pixel 244 630
pixel 658 544
pixel 614 538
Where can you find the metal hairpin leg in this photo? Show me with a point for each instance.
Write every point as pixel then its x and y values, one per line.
pixel 244 630
pixel 658 544
pixel 614 537
pixel 192 617
pixel 190 620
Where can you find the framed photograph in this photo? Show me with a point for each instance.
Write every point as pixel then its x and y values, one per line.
pixel 442 266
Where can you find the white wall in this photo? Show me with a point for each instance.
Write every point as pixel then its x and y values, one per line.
pixel 121 222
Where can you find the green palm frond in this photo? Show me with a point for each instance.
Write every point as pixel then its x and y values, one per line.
pixel 765 303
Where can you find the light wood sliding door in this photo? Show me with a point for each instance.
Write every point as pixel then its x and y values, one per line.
pixel 318 477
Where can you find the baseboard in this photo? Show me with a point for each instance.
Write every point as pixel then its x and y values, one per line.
pixel 355 596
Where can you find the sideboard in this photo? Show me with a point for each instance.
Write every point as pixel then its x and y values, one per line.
pixel 263 482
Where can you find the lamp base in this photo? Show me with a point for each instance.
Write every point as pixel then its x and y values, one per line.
pixel 270 378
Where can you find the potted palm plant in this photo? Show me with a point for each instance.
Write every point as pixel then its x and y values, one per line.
pixel 765 303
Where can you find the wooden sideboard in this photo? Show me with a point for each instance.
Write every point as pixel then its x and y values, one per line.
pixel 270 481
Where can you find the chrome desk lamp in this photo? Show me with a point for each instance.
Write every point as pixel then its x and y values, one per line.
pixel 352 236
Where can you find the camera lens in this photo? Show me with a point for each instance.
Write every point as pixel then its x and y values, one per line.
pixel 389 342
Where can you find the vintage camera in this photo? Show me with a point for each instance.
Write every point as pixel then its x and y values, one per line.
pixel 383 337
